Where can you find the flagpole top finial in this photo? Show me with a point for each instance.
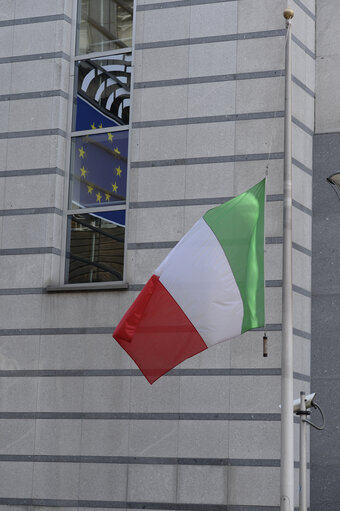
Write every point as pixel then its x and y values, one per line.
pixel 288 14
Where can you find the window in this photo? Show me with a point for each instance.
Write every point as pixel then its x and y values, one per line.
pixel 99 143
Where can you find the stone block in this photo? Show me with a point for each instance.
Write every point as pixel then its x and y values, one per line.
pixel 59 437
pixel 209 140
pixel 81 352
pixel 166 24
pixel 249 394
pixel 152 483
pixel 34 8
pixel 40 75
pixel 260 95
pixel 159 440
pixel 161 63
pixel 18 394
pixel 163 143
pixel 21 473
pixel 105 438
pixel 17 436
pixel 302 312
pixel 6 41
pixel 212 59
pixel 103 482
pixel 260 54
pixel 37 114
pixel 302 228
pixel 204 439
pixel 22 231
pixel 206 395
pixel 203 485
pixel 160 103
pixel 60 394
pixel 213 19
pixel 265 440
pixel 106 394
pixel 19 353
pixel 30 311
pixel 207 99
pixel 248 486
pixel 302 106
pixel 55 481
pixel 259 136
pixel 163 396
pixel 260 16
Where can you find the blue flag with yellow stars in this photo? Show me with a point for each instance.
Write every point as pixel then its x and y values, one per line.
pixel 99 170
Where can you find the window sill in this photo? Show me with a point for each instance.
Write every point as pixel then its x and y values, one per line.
pixel 109 286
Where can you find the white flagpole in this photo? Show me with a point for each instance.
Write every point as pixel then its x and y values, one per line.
pixel 287 430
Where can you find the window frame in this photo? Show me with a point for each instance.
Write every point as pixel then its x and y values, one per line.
pixel 71 134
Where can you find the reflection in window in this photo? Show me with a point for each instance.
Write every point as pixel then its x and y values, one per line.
pixel 103 95
pixel 99 170
pixel 95 251
pixel 105 25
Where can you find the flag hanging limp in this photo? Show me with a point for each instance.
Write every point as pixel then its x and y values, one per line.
pixel 208 289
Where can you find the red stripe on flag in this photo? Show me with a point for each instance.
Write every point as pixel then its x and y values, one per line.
pixel 156 333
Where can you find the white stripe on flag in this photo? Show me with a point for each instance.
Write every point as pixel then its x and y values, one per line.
pixel 198 276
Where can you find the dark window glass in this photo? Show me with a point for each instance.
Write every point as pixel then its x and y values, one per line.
pixel 95 247
pixel 98 170
pixel 103 93
pixel 104 25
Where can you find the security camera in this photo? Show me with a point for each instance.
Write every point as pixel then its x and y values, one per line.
pixel 308 400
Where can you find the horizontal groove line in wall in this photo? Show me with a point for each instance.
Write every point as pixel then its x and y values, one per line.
pixel 32 133
pixel 223 38
pixel 142 416
pixel 36 56
pixel 35 19
pixel 302 126
pixel 153 245
pixel 32 172
pixel 303 47
pixel 109 373
pixel 70 373
pixel 301 249
pixel 210 79
pixel 211 39
pixel 136 460
pixel 185 121
pixel 57 331
pixel 30 211
pixel 5 332
pixel 208 119
pixel 109 504
pixel 29 250
pixel 178 3
pixel 305 9
pixel 205 160
pixel 206 201
pixel 23 291
pixel 34 95
pixel 222 78
pixel 303 86
pixel 302 167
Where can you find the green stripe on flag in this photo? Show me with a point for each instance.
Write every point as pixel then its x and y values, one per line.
pixel 239 227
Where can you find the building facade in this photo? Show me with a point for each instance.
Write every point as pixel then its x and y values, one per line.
pixel 121 124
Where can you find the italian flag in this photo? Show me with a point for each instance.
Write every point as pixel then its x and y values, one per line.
pixel 208 289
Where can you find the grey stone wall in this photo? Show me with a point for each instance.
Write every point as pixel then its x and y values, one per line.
pixel 79 427
pixel 325 465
